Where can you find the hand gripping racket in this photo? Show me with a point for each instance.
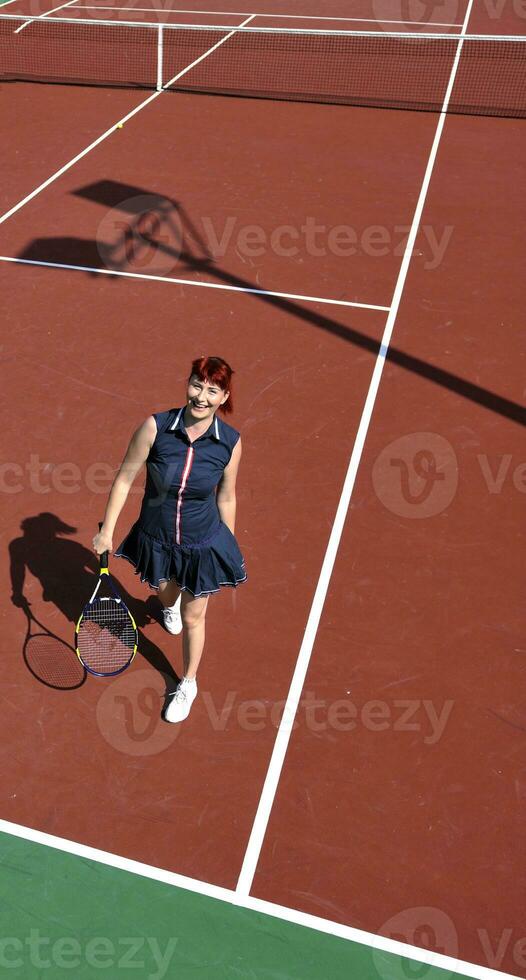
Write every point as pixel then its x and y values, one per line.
pixel 106 634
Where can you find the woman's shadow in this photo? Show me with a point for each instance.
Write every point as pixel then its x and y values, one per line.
pixel 66 570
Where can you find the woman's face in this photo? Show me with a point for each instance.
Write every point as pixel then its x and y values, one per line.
pixel 204 398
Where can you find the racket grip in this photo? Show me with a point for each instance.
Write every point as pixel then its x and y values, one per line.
pixel 103 559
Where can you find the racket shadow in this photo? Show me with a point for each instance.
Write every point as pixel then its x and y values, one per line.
pixel 49 659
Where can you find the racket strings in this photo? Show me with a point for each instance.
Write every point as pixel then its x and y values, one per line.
pixel 107 636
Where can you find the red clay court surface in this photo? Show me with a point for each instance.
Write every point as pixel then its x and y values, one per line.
pixel 402 785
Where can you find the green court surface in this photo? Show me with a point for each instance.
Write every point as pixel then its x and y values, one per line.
pixel 62 914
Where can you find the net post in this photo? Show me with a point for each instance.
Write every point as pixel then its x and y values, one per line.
pixel 160 57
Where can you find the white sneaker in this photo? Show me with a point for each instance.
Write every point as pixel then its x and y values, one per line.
pixel 172 617
pixel 182 700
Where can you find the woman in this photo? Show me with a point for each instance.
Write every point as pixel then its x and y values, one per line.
pixel 183 543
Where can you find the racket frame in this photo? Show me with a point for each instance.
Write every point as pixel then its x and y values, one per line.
pixel 104 570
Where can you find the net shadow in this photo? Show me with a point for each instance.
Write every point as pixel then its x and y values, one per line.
pixel 79 252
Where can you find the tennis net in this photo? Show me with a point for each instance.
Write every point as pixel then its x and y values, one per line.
pixel 391 70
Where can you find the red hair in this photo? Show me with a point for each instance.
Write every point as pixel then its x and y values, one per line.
pixel 215 371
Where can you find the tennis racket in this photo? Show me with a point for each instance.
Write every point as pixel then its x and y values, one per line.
pixel 106 634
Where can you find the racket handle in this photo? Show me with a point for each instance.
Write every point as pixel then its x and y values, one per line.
pixel 103 559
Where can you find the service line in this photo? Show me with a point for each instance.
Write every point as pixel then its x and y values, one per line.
pixel 92 270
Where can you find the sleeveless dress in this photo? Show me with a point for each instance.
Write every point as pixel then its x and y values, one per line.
pixel 179 534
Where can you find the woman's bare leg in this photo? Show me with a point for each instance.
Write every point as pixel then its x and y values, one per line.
pixel 169 593
pixel 193 613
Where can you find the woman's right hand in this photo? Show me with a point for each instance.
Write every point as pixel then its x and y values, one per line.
pixel 102 542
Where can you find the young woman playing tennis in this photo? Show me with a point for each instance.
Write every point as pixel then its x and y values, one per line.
pixel 183 543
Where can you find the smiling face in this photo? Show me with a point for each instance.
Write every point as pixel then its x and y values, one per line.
pixel 203 398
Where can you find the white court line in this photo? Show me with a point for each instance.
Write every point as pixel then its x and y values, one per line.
pixel 304 919
pixel 192 282
pixel 237 13
pixel 112 129
pixel 41 16
pixel 268 794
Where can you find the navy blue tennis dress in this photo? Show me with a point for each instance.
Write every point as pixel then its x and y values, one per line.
pixel 179 534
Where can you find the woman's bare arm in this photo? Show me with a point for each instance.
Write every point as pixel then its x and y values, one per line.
pixel 135 458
